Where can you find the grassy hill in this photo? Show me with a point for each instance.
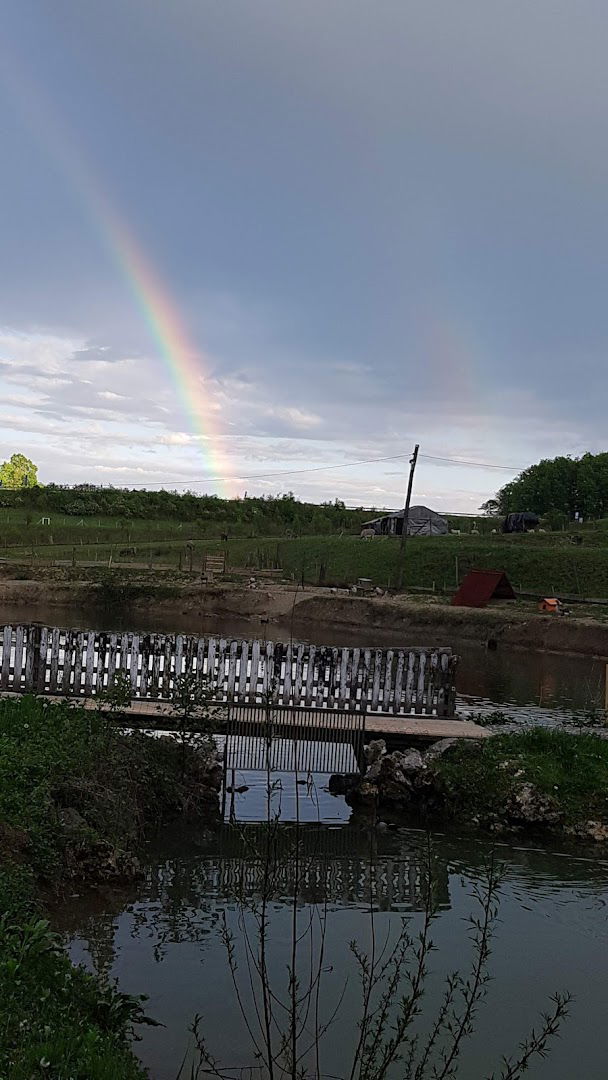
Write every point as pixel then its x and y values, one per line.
pixel 319 545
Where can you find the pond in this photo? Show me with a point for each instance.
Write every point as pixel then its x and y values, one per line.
pixel 168 939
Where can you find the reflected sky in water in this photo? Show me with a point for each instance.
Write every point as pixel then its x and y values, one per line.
pixel 166 938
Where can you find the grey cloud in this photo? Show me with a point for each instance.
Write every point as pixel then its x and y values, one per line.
pixel 99 354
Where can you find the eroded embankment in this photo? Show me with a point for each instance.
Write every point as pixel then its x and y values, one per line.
pixel 428 623
pixel 76 796
pixel 417 622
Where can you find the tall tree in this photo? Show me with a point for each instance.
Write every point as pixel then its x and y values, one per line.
pixel 18 472
pixel 564 485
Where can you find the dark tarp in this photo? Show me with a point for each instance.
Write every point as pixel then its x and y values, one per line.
pixel 421 522
pixel 520 522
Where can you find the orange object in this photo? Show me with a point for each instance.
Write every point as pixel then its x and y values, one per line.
pixel 550 604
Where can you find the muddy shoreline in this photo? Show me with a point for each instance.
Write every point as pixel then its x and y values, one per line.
pixel 430 622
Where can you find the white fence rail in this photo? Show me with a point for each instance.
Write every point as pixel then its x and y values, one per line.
pixel 81 663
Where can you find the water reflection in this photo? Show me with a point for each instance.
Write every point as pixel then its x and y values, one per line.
pixel 166 938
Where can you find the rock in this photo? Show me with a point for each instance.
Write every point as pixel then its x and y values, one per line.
pixel 528 806
pixel 343 784
pixel 337 785
pixel 362 794
pixel 381 826
pixel 439 748
pixel 410 761
pixel 394 777
pixel 71 820
pixel 374 750
pixel 97 861
pixel 373 753
pixel 595 831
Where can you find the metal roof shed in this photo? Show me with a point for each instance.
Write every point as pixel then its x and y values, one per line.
pixel 481 586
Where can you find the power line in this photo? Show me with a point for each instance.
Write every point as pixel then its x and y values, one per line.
pixel 327 468
pixel 480 464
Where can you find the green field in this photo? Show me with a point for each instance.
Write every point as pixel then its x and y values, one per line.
pixel 279 534
pixel 544 564
pixel 547 564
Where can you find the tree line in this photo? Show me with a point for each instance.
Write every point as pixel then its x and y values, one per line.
pixel 264 515
pixel 559 487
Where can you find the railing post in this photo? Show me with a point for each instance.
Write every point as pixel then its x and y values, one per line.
pixel 32 662
pixel 450 699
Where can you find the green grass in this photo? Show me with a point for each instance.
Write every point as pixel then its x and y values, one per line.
pixel 56 1020
pixel 75 796
pixel 478 778
pixel 543 563
pixel 535 564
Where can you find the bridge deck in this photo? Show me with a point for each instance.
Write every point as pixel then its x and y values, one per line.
pixel 160 715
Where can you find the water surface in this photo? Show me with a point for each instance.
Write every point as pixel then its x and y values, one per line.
pixel 166 939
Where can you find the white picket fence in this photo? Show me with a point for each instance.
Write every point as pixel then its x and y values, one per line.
pixel 80 663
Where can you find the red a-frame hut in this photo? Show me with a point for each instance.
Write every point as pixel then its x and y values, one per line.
pixel 481 586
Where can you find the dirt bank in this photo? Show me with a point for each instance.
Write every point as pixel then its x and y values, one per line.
pixel 431 621
pixel 436 623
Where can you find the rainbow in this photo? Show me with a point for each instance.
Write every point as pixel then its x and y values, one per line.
pixel 184 362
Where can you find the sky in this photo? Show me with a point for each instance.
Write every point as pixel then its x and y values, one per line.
pixel 247 239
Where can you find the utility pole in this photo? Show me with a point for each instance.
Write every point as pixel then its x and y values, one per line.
pixel 406 516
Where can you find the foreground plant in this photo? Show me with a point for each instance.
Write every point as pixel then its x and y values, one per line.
pixel 289 1020
pixel 56 1020
pixel 191 703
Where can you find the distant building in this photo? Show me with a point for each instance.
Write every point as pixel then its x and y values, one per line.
pixel 421 522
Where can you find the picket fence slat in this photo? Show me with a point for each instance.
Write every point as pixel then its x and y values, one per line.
pixel 7 643
pixel 84 663
pixel 18 666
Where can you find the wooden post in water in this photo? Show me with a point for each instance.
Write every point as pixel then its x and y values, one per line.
pixel 606 694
